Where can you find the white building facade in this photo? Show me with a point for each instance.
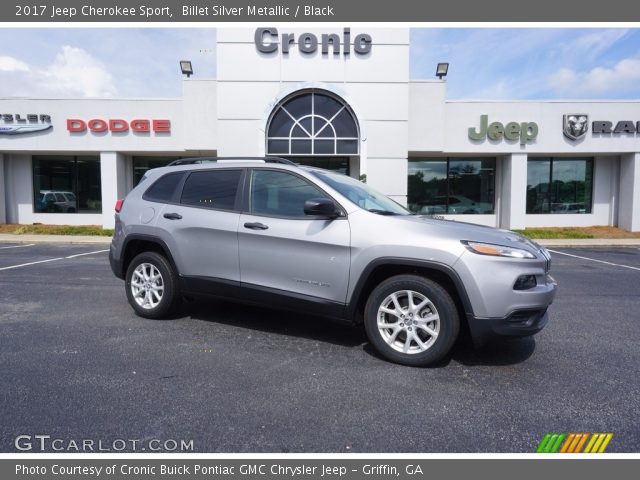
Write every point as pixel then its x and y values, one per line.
pixel 341 99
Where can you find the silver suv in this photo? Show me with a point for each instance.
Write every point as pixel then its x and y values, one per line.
pixel 299 238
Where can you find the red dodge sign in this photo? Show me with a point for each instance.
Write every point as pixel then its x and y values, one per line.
pixel 119 125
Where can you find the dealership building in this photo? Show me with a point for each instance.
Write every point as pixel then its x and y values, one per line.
pixel 340 99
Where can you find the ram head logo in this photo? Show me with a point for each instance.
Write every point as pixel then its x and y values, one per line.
pixel 575 125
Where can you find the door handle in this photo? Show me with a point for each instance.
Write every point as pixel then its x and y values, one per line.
pixel 172 216
pixel 255 226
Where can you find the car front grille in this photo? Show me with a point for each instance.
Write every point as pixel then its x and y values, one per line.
pixel 547 257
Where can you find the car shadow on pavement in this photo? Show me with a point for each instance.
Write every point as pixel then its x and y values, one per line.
pixel 496 352
pixel 278 322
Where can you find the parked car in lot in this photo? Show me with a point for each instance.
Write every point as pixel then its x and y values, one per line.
pixel 568 208
pixel 268 232
pixel 55 201
pixel 458 204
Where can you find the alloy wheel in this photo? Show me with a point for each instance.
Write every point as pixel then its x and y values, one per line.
pixel 408 321
pixel 147 285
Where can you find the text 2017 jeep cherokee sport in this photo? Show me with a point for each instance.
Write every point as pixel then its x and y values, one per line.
pixel 300 238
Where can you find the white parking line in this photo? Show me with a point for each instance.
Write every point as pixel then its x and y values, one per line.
pixel 51 260
pixel 594 260
pixel 31 263
pixel 88 253
pixel 18 246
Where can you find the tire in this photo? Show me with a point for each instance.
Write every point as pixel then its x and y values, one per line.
pixel 149 295
pixel 430 327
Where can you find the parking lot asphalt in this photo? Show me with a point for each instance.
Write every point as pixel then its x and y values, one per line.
pixel 76 363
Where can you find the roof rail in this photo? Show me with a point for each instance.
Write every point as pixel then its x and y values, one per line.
pixel 196 160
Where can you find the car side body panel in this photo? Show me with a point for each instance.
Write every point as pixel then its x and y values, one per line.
pixel 321 266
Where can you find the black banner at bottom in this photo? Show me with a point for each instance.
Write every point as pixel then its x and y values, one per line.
pixel 329 468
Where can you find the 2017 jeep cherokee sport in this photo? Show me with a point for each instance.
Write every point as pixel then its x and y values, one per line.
pixel 300 238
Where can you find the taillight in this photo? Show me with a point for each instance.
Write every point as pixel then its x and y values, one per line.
pixel 119 205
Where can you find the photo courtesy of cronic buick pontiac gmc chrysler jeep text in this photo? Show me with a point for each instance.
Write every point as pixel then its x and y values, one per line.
pixel 299 238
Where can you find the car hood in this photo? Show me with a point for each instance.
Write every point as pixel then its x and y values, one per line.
pixel 471 231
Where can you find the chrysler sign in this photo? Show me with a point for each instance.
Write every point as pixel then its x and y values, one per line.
pixel 18 123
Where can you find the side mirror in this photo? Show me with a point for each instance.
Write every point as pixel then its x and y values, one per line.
pixel 321 207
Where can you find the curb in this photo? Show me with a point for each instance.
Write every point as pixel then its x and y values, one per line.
pixel 590 242
pixel 71 239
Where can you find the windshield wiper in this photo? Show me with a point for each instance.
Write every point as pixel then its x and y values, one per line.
pixel 382 212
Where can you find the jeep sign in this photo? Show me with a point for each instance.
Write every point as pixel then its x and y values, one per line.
pixel 525 132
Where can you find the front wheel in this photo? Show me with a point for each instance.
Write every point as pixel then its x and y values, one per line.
pixel 411 320
pixel 151 285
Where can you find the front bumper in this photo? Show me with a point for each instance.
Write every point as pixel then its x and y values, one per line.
pixel 520 323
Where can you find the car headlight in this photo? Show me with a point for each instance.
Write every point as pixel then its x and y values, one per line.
pixel 496 250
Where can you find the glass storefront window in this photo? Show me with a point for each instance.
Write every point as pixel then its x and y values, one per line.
pixel 440 186
pixel 142 164
pixel 336 164
pixel 559 185
pixel 65 184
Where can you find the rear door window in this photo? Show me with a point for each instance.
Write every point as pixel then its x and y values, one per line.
pixel 215 189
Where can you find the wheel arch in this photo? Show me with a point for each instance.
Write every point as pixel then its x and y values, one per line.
pixel 383 268
pixel 137 243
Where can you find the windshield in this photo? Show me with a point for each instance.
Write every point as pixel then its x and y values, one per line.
pixel 361 194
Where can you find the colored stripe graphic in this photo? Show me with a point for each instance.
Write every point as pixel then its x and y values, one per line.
pixel 581 443
pixel 543 443
pixel 574 442
pixel 598 443
pixel 550 443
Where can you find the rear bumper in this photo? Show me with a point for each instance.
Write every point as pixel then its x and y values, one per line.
pixel 116 265
pixel 520 323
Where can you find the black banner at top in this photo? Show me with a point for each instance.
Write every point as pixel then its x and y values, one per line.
pixel 318 11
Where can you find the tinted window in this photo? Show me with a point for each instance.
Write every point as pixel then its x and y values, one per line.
pixel 451 185
pixel 143 164
pixel 212 189
pixel 64 175
pixel 559 185
pixel 280 194
pixel 164 188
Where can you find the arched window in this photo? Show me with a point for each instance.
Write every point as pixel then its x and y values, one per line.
pixel 312 123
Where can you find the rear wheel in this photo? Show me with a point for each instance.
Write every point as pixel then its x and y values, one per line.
pixel 151 285
pixel 411 320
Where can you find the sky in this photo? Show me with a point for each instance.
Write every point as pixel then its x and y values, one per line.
pixel 528 63
pixel 489 63
pixel 95 62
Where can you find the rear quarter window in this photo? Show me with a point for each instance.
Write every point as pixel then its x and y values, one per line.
pixel 164 189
